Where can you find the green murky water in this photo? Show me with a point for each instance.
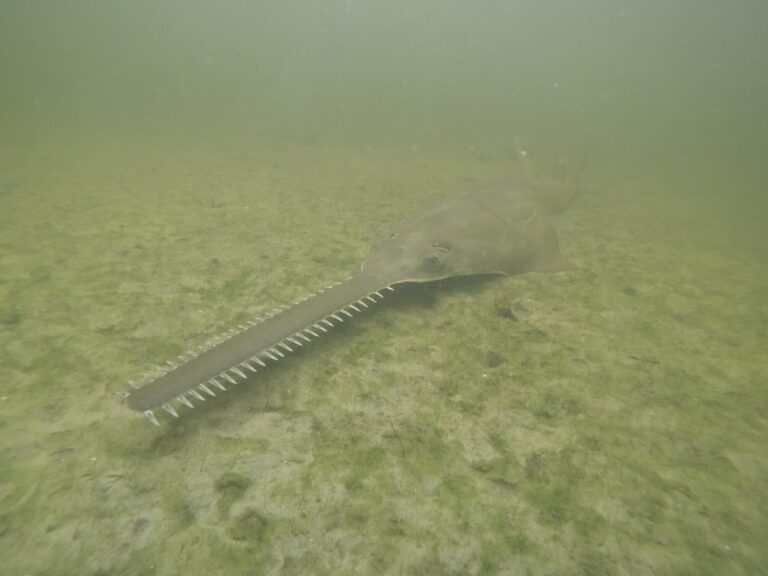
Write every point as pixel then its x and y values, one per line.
pixel 170 170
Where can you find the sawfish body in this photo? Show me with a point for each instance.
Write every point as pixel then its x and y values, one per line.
pixel 501 228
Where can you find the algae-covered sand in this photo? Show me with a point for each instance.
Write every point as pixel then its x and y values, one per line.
pixel 608 420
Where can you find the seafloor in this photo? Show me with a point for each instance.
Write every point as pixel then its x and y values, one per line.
pixel 608 420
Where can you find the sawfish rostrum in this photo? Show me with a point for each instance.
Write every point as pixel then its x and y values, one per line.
pixel 501 228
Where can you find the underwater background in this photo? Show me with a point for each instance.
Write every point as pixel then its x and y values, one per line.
pixel 171 169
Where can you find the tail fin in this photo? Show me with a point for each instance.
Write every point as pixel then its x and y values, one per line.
pixel 524 163
pixel 555 193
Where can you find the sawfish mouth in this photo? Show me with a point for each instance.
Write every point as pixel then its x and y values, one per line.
pixel 234 356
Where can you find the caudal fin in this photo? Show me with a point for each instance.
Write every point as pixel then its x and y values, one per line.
pixel 557 192
pixel 524 163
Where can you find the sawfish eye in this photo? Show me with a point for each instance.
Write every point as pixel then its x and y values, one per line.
pixel 433 259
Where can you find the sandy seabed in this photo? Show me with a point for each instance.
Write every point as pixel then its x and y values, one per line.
pixel 607 420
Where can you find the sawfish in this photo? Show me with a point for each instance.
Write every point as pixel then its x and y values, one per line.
pixel 501 228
